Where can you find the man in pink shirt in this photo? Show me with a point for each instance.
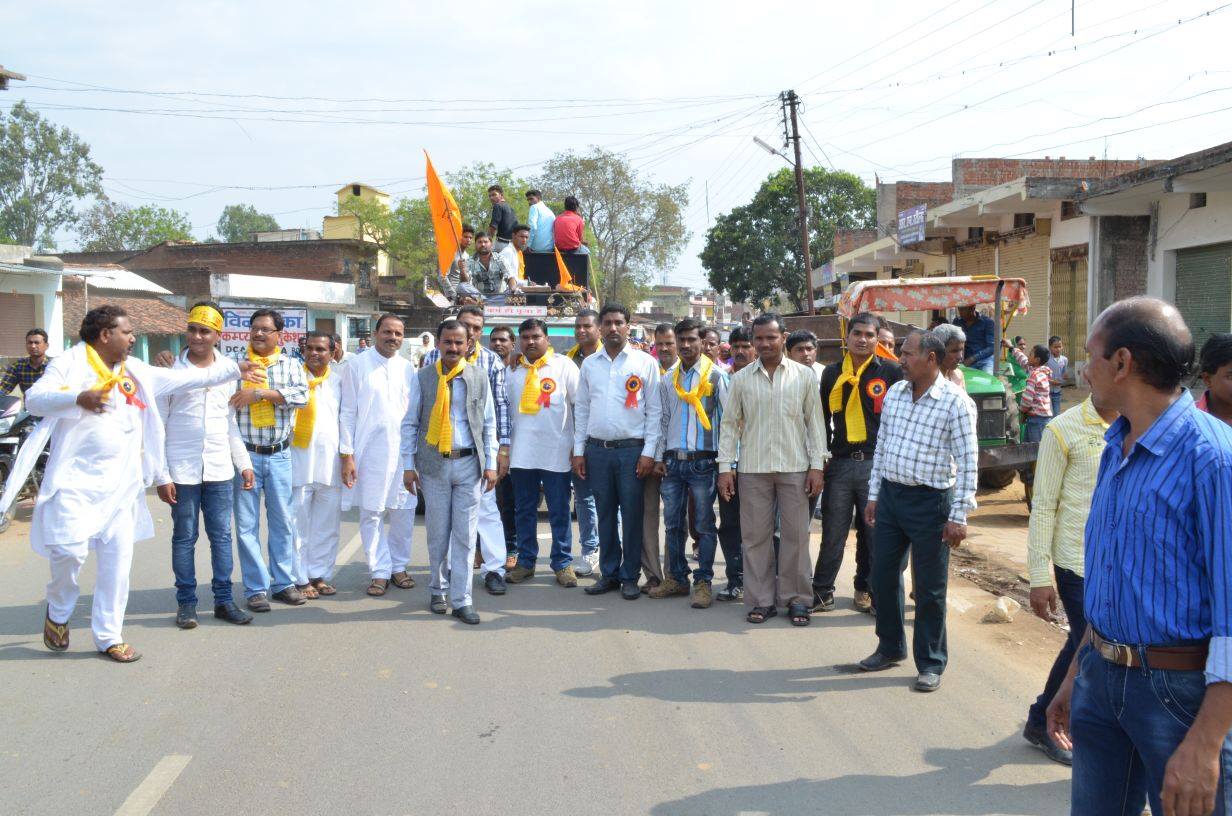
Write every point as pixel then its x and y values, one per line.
pixel 568 228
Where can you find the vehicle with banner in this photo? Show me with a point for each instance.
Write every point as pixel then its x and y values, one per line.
pixel 1001 451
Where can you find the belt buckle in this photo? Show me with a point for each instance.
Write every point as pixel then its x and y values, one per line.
pixel 857 456
pixel 1124 654
pixel 682 455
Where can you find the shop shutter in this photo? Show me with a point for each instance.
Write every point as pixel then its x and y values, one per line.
pixel 1204 289
pixel 1068 306
pixel 16 318
pixel 1028 259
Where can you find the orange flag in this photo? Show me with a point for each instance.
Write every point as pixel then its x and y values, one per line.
pixel 566 280
pixel 446 218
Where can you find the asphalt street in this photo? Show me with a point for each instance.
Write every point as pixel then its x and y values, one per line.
pixel 557 704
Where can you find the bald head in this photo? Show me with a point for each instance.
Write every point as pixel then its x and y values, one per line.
pixel 1159 345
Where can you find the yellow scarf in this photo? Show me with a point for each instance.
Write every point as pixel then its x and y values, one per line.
pixel 440 429
pixel 306 417
pixel 853 416
pixel 521 266
pixel 532 391
pixel 262 411
pixel 702 388
pixel 474 355
pixel 107 379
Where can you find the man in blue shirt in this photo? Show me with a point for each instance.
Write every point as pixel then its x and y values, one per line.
pixel 979 330
pixel 540 219
pixel 1147 705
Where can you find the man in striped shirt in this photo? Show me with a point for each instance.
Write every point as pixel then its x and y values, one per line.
pixel 1152 689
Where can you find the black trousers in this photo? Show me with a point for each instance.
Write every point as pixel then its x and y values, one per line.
pixel 845 497
pixel 504 503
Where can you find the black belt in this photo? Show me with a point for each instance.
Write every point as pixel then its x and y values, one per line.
pixel 459 453
pixel 615 443
pixel 855 456
pixel 691 456
pixel 268 450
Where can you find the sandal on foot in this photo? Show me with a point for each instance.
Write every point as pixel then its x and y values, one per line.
pixel 323 587
pixel 402 580
pixel 760 614
pixel 122 653
pixel 377 588
pixel 308 591
pixel 55 635
pixel 799 614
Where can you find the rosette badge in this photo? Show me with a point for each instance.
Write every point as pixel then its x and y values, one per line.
pixel 633 387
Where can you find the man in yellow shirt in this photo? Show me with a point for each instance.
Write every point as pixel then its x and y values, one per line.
pixel 1065 472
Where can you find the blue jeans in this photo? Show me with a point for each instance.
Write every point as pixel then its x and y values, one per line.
pixel 985 365
pixel 616 488
pixel 1035 427
pixel 273 478
pixel 1055 396
pixel 211 501
pixel 1126 724
pixel 587 516
pixel 1070 590
pixel 526 484
pixel 685 479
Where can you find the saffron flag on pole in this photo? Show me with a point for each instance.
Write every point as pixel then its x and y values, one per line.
pixel 566 280
pixel 446 218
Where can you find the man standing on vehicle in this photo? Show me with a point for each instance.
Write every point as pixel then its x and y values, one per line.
pixel 851 400
pixel 979 330
pixel 586 333
pixel 503 220
pixel 540 219
pixel 25 373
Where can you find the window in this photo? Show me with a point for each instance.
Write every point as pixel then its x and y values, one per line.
pixel 355 190
pixel 975 233
pixel 1069 209
pixel 365 274
pixel 1197 200
pixel 1024 220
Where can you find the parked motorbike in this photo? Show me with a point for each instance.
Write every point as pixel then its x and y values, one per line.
pixel 16 425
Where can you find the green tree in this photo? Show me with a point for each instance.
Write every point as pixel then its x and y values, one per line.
pixel 110 225
pixel 638 226
pixel 753 252
pixel 44 172
pixel 239 221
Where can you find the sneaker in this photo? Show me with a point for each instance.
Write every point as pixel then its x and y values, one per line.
pixel 586 565
pixel 519 574
pixel 822 603
pixel 701 595
pixel 863 601
pixel 566 577
pixel 667 588
pixel 732 593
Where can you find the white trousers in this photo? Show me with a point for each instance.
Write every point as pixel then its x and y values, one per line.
pixel 113 554
pixel 491 534
pixel 388 552
pixel 316 511
pixel 450 500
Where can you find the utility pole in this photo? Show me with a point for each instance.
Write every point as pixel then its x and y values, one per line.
pixel 790 103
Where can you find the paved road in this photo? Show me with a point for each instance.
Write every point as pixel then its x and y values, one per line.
pixel 557 704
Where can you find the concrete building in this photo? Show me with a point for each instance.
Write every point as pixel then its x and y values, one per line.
pixel 158 316
pixel 29 298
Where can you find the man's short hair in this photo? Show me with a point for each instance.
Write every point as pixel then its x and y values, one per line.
pixel 471 309
pixel 450 323
pixel 388 316
pixel 664 328
pixel 482 234
pixel 768 318
pixel 947 333
pixel 38 333
pixel 98 319
pixel 740 335
pixel 689 324
pixel 496 188
pixel 800 336
pixel 521 228
pixel 930 343
pixel 320 334
pixel 864 319
pixel 705 330
pixel 571 204
pixel 337 338
pixel 1055 338
pixel 272 314
pixel 585 313
pixel 468 228
pixel 1040 353
pixel 534 193
pixel 1162 355
pixel 614 308
pixel 1216 353
pixel 503 329
pixel 532 323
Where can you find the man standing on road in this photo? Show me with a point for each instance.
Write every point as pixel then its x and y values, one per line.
pixel 802 347
pixel 448 444
pixel 772 423
pixel 204 451
pixel 615 438
pixel 375 387
pixel 653 567
pixel 586 333
pixel 979 330
pixel 542 390
pixel 25 373
pixel 921 488
pixel 316 471
pixel 100 414
pixel 540 219
pixel 265 414
pixel 851 401
pixel 729 507
pixel 493 552
pixel 693 393
pixel 1152 700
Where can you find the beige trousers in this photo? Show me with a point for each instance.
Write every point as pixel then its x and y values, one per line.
pixel 760 493
pixel 653 567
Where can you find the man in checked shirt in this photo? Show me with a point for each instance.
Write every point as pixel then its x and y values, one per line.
pixel 920 491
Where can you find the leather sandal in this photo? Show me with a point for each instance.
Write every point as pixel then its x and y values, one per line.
pixel 123 653
pixel 798 613
pixel 760 614
pixel 402 580
pixel 323 587
pixel 55 635
pixel 377 588
pixel 308 591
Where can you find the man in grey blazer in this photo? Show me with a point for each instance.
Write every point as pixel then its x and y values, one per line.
pixel 449 449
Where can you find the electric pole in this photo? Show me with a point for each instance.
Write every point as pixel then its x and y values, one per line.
pixel 790 103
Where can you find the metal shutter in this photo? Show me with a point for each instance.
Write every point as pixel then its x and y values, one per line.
pixel 16 318
pixel 1204 289
pixel 1028 259
pixel 1067 307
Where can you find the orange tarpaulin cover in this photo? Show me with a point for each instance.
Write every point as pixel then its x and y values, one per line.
pixel 446 218
pixel 926 294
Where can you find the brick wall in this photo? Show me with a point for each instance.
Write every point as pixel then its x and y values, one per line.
pixel 1121 264
pixel 901 195
pixel 847 240
pixel 972 175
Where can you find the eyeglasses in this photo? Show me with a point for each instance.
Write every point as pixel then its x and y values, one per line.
pixel 255 330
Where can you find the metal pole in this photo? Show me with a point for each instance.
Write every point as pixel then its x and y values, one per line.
pixel 792 102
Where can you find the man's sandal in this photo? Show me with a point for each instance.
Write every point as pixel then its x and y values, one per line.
pixel 377 588
pixel 323 587
pixel 402 580
pixel 122 653
pixel 799 614
pixel 55 635
pixel 308 591
pixel 760 614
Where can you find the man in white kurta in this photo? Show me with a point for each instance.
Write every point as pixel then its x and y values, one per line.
pixel 370 412
pixel 316 471
pixel 106 448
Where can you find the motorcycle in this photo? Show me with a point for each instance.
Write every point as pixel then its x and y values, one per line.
pixel 16 425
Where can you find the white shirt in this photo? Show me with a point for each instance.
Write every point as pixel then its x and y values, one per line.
pixel 819 369
pixel 203 442
pixel 461 433
pixel 370 411
pixel 599 409
pixel 319 463
pixel 509 257
pixel 543 441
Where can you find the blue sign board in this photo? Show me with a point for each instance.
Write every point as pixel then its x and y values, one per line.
pixel 911 224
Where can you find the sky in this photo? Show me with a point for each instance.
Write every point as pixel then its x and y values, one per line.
pixel 196 106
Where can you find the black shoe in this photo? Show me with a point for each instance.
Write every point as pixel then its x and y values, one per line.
pixel 438 606
pixel 259 603
pixel 823 603
pixel 604 585
pixel 186 616
pixel 1040 739
pixel 879 662
pixel 630 591
pixel 494 582
pixel 467 614
pixel 290 596
pixel 231 613
pixel 732 593
pixel 928 681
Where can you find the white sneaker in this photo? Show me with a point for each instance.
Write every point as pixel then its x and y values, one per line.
pixel 587 564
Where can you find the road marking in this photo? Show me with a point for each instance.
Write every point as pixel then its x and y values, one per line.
pixel 146 795
pixel 344 557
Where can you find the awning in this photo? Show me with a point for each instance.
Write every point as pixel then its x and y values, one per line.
pixel 926 294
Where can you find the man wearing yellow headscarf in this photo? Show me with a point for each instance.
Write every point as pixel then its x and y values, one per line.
pixel 851 395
